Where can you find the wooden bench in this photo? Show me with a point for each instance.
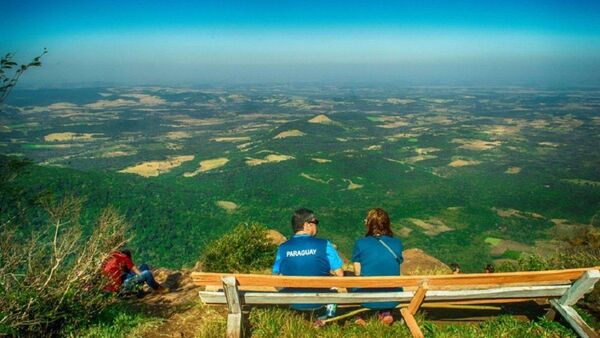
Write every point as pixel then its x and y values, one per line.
pixel 563 288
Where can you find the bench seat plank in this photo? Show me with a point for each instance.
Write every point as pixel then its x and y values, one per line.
pixel 255 298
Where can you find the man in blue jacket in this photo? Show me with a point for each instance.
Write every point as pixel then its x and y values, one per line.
pixel 306 255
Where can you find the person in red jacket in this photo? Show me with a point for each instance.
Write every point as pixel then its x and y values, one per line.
pixel 123 275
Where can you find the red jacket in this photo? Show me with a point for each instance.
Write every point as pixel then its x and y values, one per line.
pixel 113 268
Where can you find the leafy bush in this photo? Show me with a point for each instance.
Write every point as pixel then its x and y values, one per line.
pixel 51 278
pixel 245 249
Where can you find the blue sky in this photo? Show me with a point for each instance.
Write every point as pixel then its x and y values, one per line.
pixel 404 42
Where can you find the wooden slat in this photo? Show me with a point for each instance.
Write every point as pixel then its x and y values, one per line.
pixel 543 291
pixel 490 295
pixel 491 301
pixel 574 320
pixel 438 281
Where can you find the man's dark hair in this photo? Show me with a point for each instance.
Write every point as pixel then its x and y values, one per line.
pixel 126 252
pixel 300 216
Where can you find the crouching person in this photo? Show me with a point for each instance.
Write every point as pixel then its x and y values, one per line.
pixel 306 255
pixel 123 276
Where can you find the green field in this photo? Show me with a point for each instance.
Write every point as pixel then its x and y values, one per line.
pixel 456 168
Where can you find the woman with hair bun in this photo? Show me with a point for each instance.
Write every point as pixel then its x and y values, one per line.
pixel 378 254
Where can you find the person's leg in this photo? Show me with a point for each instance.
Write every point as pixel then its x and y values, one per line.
pixel 128 282
pixel 147 277
pixel 386 317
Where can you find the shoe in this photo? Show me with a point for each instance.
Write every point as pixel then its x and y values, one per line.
pixel 386 318
pixel 360 321
pixel 140 294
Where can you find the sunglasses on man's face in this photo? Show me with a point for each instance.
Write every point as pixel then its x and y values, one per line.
pixel 313 221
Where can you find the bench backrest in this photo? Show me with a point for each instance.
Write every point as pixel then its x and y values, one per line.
pixel 434 282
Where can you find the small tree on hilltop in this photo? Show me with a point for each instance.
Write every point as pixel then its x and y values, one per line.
pixel 245 249
pixel 11 71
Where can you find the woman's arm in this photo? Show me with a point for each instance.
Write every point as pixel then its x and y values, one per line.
pixel 356 269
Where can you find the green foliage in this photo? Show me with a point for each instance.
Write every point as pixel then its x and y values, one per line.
pixel 51 278
pixel 244 249
pixel 10 72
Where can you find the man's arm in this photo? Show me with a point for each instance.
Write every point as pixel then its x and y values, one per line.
pixel 335 262
pixel 136 270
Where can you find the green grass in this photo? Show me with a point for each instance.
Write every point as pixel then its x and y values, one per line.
pixel 117 321
pixel 279 322
pixel 24 125
pixel 492 240
pixel 511 254
pixel 47 146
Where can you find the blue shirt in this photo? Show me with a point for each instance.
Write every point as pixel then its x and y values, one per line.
pixel 376 260
pixel 304 255
pixel 301 251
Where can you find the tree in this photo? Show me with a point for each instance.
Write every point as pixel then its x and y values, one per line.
pixel 11 71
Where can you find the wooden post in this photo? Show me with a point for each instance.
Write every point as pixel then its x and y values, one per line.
pixel 409 312
pixel 582 286
pixel 563 306
pixel 234 307
pixel 573 318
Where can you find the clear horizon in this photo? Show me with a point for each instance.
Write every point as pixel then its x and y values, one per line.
pixel 546 43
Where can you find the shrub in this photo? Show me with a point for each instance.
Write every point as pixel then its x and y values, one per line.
pixel 245 249
pixel 52 277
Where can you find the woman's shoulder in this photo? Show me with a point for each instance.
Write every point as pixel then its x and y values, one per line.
pixel 364 240
pixel 391 239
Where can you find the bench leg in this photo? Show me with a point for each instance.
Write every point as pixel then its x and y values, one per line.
pixel 573 318
pixel 410 321
pixel 409 313
pixel 234 307
pixel 575 292
pixel 234 325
